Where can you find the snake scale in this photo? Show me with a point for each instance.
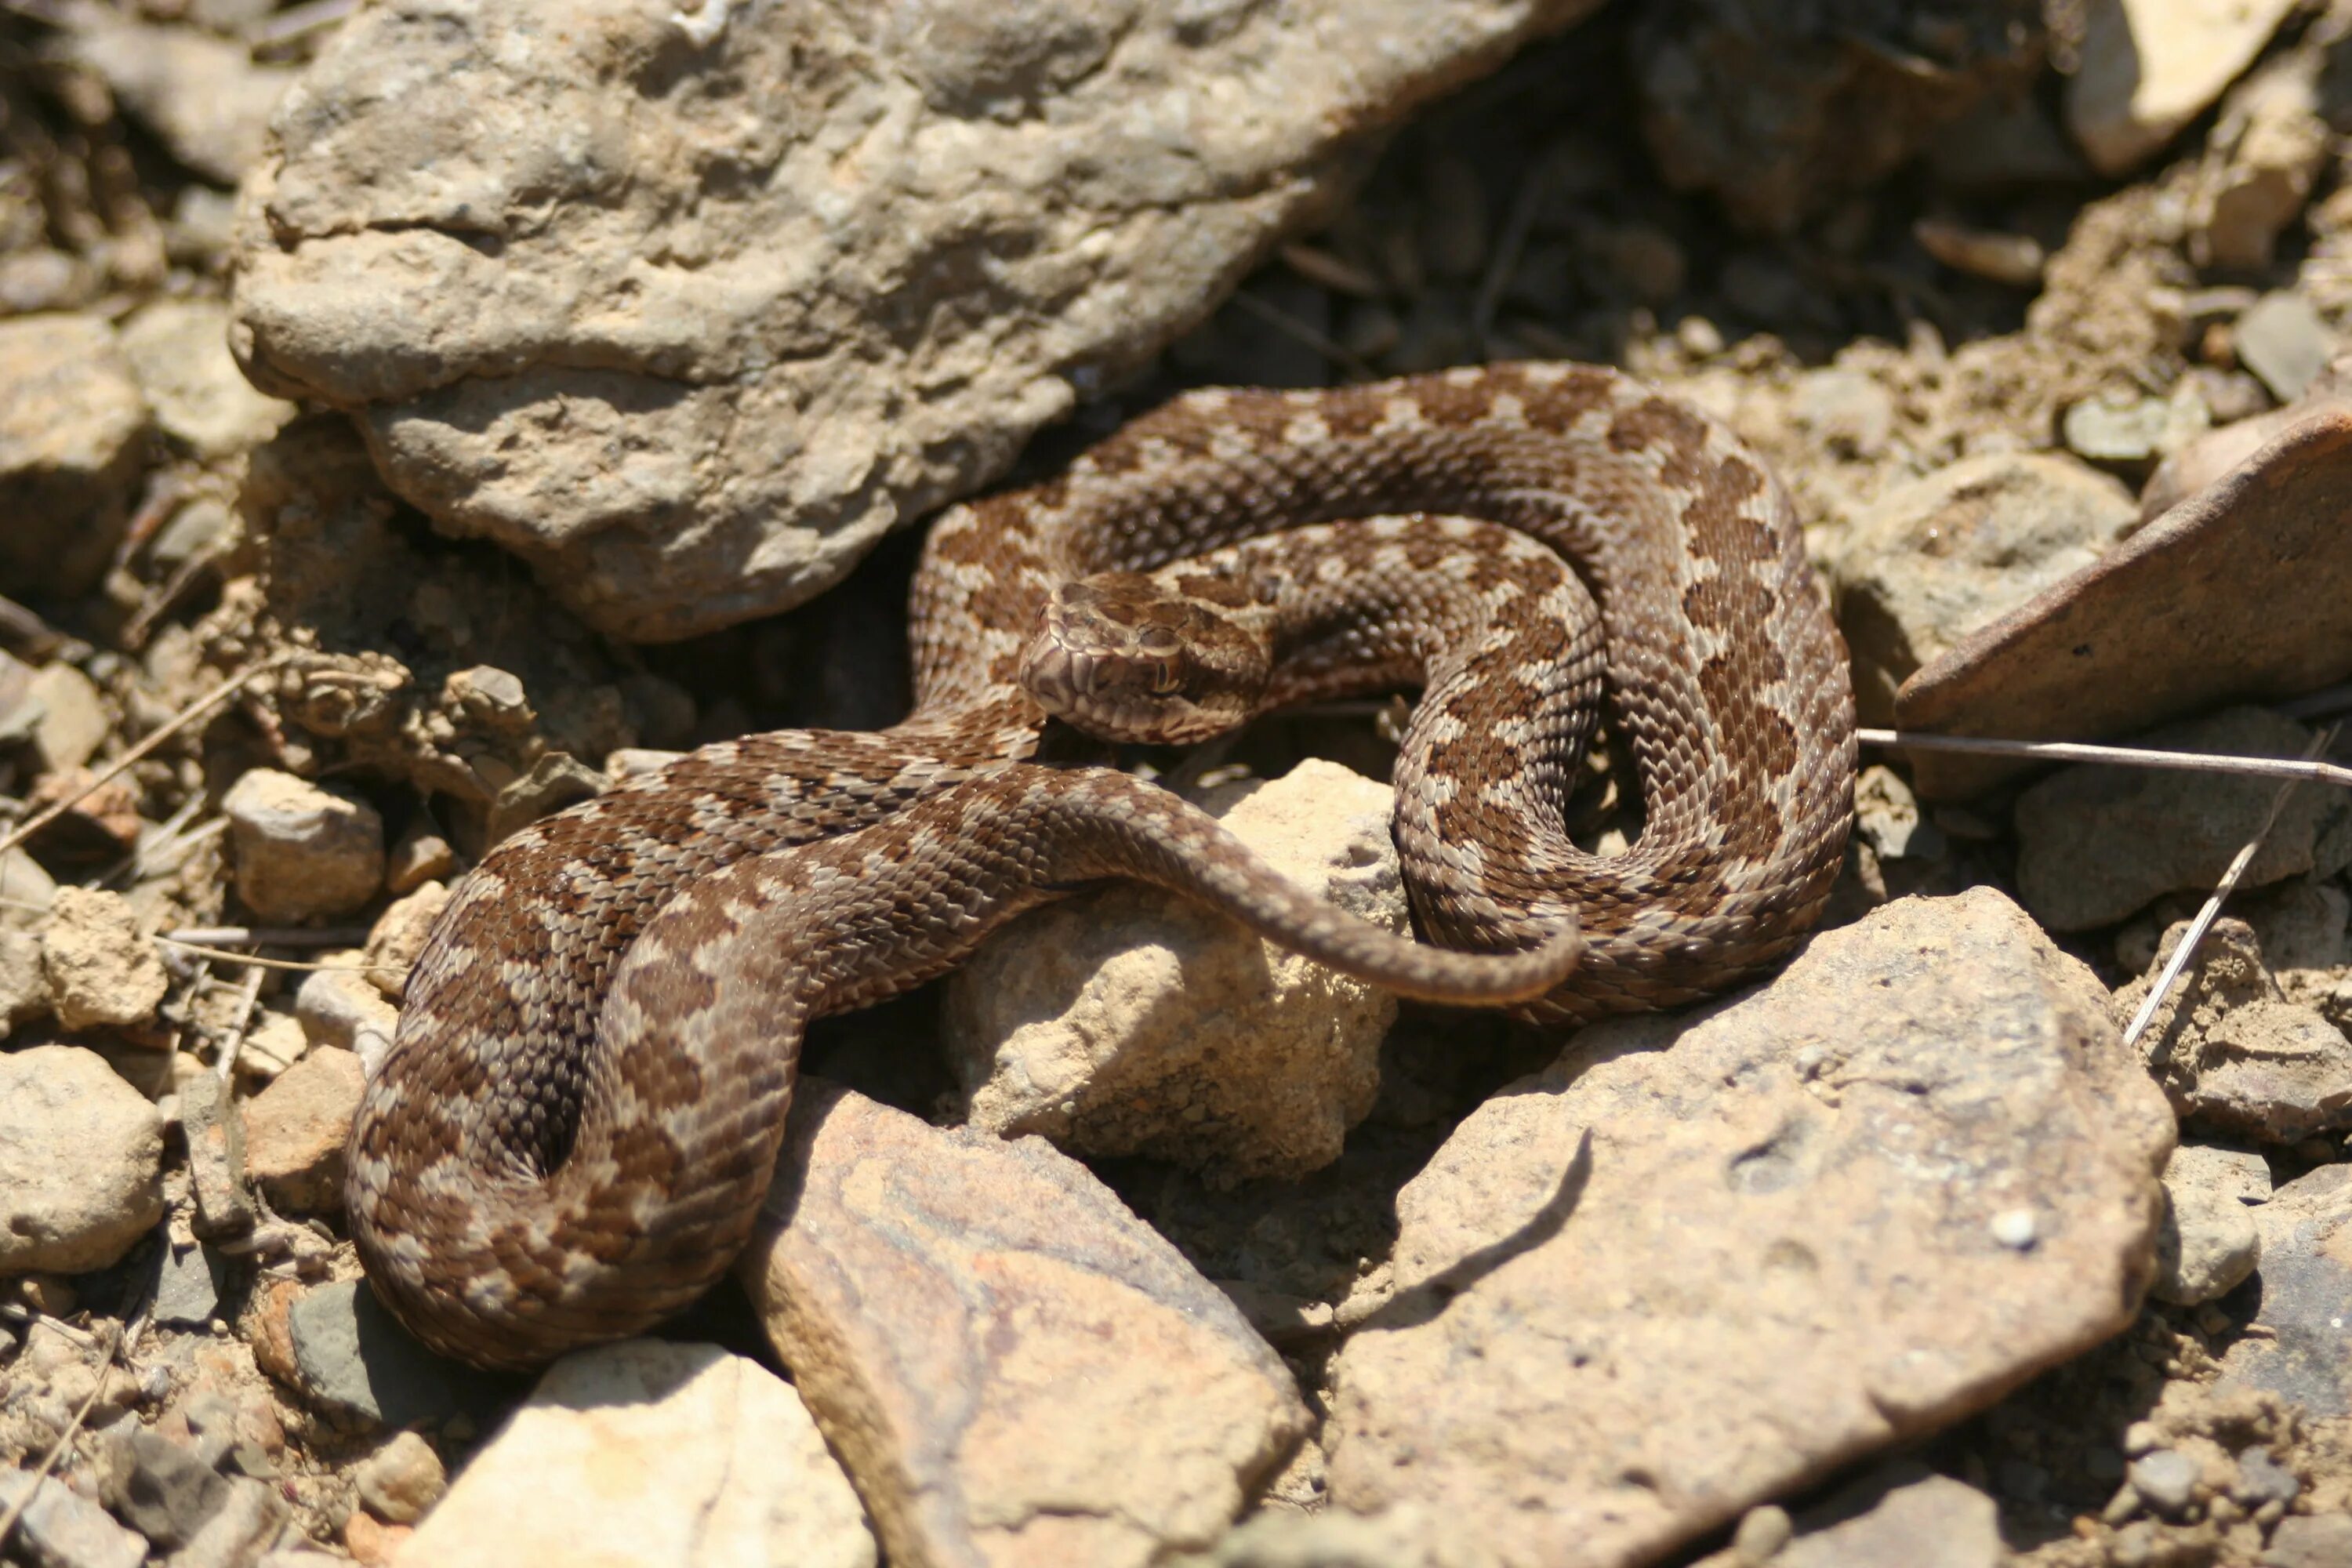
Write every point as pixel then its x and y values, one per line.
pixel 574 1129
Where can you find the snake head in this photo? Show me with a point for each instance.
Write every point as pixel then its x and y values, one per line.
pixel 1169 659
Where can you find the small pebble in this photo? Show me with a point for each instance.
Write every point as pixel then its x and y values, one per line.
pixel 2015 1228
pixel 402 1480
pixel 2167 1480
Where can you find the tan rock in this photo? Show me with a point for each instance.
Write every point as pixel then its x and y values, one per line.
pixel 2150 66
pixel 81 1162
pixel 102 969
pixel 339 1004
pixel 1130 1021
pixel 398 936
pixel 179 350
pixel 1648 1288
pixel 650 1454
pixel 1937 558
pixel 946 225
pixel 2209 1242
pixel 295 1128
pixel 1015 1368
pixel 301 851
pixel 73 433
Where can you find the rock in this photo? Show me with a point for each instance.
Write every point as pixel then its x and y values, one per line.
pixel 61 1528
pixel 2015 259
pixel 295 1130
pixel 340 1008
pixel 274 1043
pixel 2166 1481
pixel 30 891
pixel 965 221
pixel 102 969
pixel 2130 429
pixel 402 1480
pixel 188 1285
pixel 2299 1345
pixel 2211 457
pixel 2231 1052
pixel 158 1487
pixel 1779 110
pixel 2210 1243
pixel 372 1544
pixel 398 936
pixel 179 351
pixel 24 983
pixel 303 852
pixel 204 96
pixel 2096 843
pixel 1649 1286
pixel 2310 1540
pixel 2150 66
pixel 349 1357
pixel 1014 1367
pixel 1939 557
pixel 215 1133
pixel 2165 623
pixel 2281 338
pixel 1900 1517
pixel 81 1162
pixel 1134 1022
pixel 2260 165
pixel 249 1518
pixel 74 721
pixel 658 1455
pixel 72 435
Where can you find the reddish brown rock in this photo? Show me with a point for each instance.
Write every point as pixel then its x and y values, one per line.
pixel 2243 592
pixel 1015 1368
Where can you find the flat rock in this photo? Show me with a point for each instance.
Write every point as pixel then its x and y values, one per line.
pixel 351 1357
pixel 1014 1367
pixel 73 434
pixel 2242 591
pixel 1648 1288
pixel 650 1454
pixel 2096 844
pixel 179 351
pixel 1130 1021
pixel 81 1162
pixel 1933 560
pixel 2301 1348
pixel 2231 1052
pixel 59 1526
pixel 295 1131
pixel 2150 66
pixel 1899 1516
pixel 691 350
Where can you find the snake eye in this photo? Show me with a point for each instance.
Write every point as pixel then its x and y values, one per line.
pixel 1167 677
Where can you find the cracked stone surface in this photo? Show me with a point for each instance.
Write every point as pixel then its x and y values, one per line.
pixel 688 312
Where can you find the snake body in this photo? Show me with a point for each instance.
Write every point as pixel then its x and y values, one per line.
pixel 574 1129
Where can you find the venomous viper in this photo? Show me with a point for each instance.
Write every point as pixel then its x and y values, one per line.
pixel 574 1127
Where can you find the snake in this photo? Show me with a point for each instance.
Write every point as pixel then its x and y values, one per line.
pixel 572 1133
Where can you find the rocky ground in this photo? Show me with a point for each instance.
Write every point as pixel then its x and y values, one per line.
pixel 2037 310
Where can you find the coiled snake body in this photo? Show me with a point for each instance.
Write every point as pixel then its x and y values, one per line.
pixel 572 1133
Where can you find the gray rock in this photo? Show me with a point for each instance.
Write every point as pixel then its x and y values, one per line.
pixel 1848 1208
pixel 665 1456
pixel 340 1007
pixel 351 1357
pixel 250 1516
pixel 944 225
pixel 1936 558
pixel 61 1528
pixel 2096 844
pixel 1011 1365
pixel 188 1284
pixel 2166 1481
pixel 81 1162
pixel 2301 1346
pixel 1898 1518
pixel 2260 165
pixel 72 435
pixel 159 1488
pixel 204 96
pixel 73 721
pixel 301 851
pixel 24 983
pixel 2262 1479
pixel 2283 342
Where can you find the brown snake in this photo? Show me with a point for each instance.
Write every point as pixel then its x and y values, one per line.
pixel 575 1125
